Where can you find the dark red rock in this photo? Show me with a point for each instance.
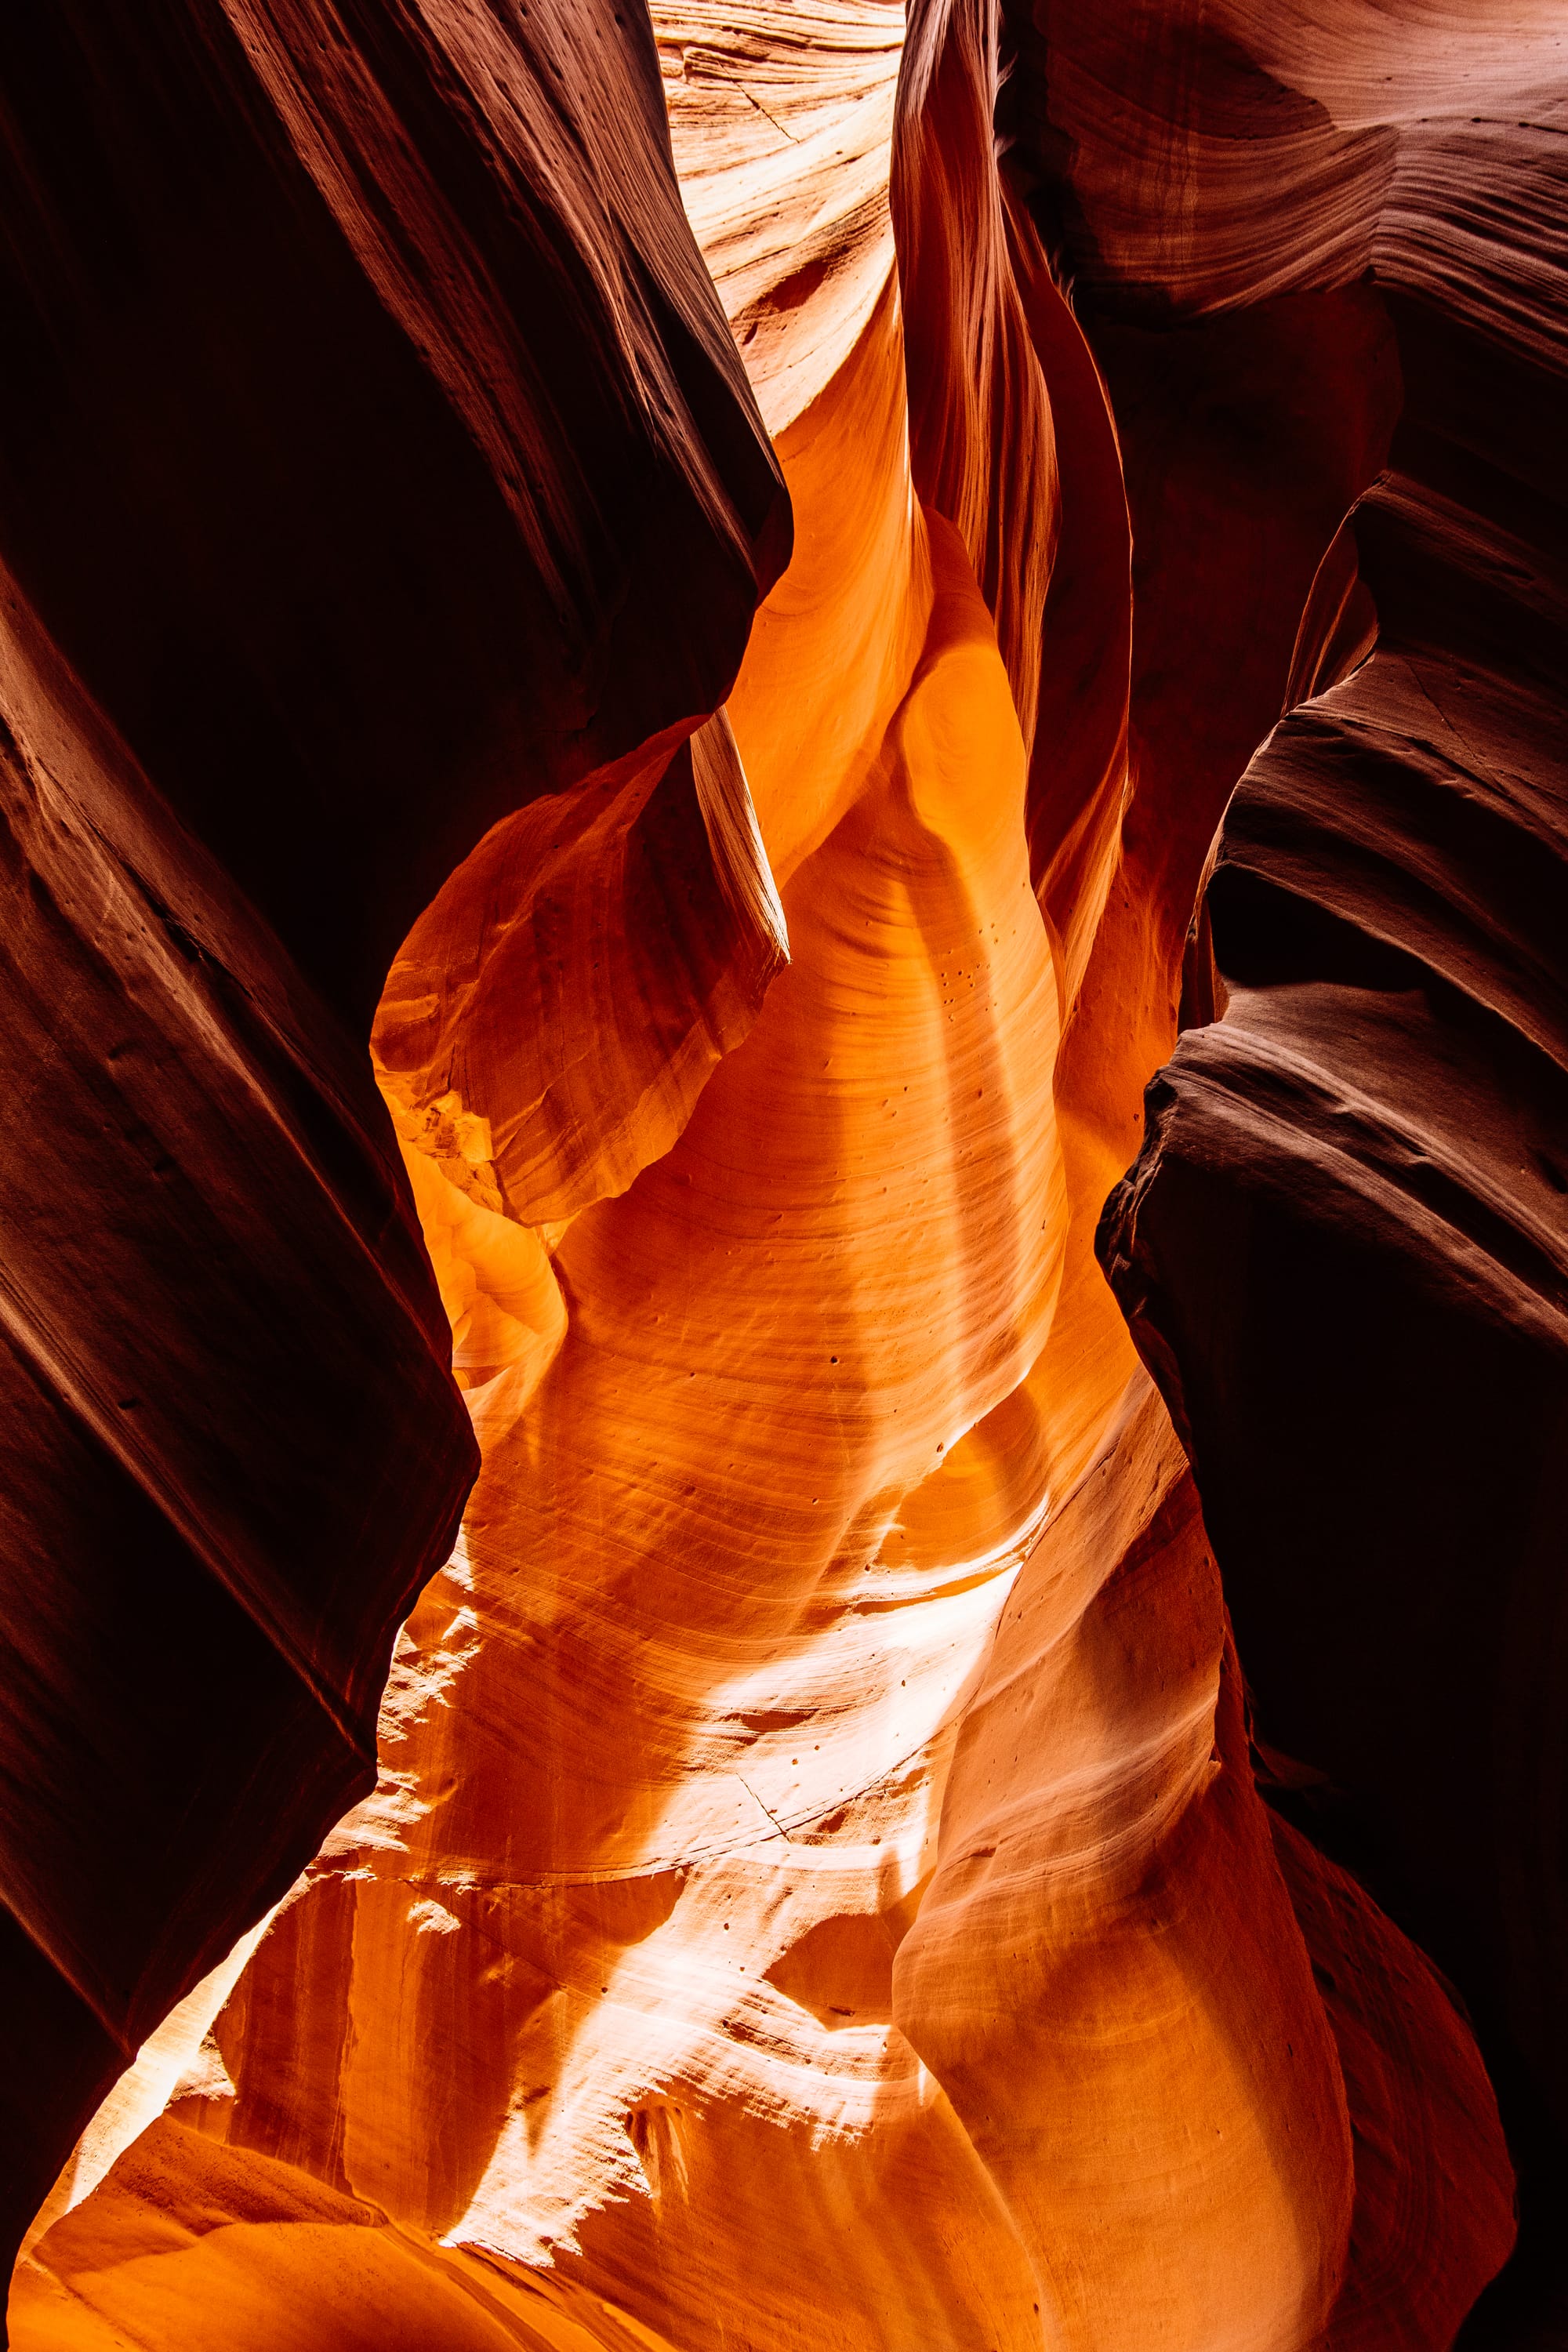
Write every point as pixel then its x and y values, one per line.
pixel 374 458
pixel 1343 1249
pixel 232 1447
pixel 372 441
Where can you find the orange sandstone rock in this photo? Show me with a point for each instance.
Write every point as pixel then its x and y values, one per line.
pixel 817 1891
pixel 355 365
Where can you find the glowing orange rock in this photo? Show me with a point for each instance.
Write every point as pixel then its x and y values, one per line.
pixel 818 1888
pixel 364 391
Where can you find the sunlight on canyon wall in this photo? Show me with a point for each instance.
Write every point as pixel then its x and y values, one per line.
pixel 816 1890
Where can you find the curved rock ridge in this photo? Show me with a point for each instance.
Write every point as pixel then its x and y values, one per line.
pixel 552 1017
pixel 1225 2100
pixel 361 380
pixel 1209 154
pixel 651 1927
pixel 1359 1171
pixel 818 1889
pixel 781 118
pixel 372 437
pixel 216 1505
pixel 1341 1249
pixel 982 450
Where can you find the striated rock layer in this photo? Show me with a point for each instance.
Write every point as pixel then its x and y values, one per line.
pixel 231 1444
pixel 818 1890
pixel 1341 1249
pixel 372 437
pixel 357 370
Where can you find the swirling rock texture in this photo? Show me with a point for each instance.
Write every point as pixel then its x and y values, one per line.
pixel 1343 1247
pixel 299 552
pixel 817 1889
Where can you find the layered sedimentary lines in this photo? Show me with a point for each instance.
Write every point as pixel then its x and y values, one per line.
pixel 355 365
pixel 781 120
pixel 417 476
pixel 1343 114
pixel 215 1511
pixel 1343 1246
pixel 817 1889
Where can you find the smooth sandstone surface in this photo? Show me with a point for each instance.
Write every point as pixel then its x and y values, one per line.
pixel 374 448
pixel 828 1880
pixel 355 365
pixel 1340 1249
pixel 232 1449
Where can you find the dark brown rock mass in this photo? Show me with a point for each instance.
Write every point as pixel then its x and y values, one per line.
pixel 1343 1247
pixel 373 457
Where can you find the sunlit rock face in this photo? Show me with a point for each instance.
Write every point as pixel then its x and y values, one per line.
pixel 1343 1247
pixel 817 1889
pixel 305 578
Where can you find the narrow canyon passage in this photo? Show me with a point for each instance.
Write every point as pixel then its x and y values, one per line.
pixel 816 1890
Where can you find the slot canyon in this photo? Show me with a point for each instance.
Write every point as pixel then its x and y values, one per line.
pixel 783 1244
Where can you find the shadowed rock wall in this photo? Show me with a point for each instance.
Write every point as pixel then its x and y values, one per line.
pixel 1341 1249
pixel 826 1880
pixel 373 457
